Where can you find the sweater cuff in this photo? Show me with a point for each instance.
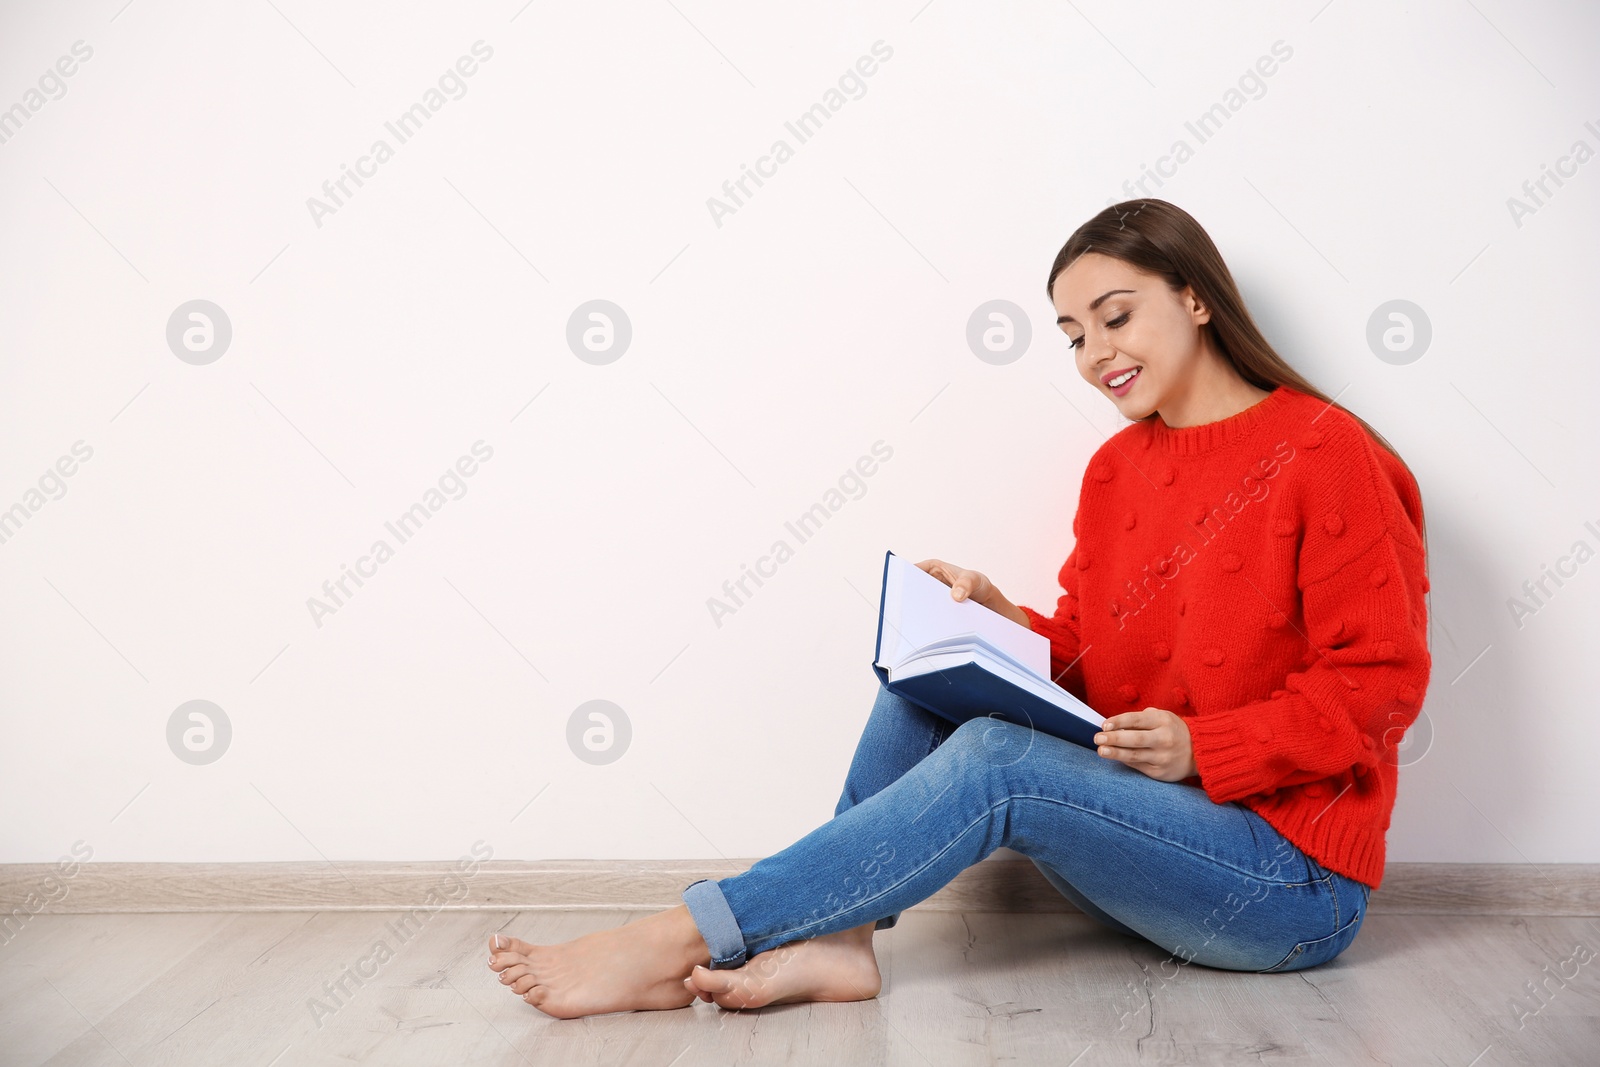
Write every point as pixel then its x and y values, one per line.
pixel 1230 751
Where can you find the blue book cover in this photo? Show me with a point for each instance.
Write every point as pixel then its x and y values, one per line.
pixel 962 661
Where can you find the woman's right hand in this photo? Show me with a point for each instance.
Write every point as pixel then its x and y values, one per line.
pixel 964 584
pixel 974 585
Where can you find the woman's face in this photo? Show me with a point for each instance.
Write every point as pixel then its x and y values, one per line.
pixel 1120 318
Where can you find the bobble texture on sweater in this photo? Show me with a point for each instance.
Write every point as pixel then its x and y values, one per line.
pixel 1262 577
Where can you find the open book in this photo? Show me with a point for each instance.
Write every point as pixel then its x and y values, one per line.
pixel 962 661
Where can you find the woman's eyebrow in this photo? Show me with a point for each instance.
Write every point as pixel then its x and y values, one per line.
pixel 1096 302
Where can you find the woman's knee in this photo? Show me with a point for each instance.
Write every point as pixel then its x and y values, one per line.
pixel 1008 740
pixel 988 744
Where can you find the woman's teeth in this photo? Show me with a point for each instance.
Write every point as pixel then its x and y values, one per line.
pixel 1124 379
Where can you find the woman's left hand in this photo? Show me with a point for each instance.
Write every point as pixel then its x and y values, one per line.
pixel 1154 741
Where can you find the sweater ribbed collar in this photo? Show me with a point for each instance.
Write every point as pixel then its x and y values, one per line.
pixel 1193 440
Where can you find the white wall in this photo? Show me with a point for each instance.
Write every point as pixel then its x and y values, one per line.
pixel 373 346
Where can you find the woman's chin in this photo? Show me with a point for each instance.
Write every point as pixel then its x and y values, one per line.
pixel 1133 409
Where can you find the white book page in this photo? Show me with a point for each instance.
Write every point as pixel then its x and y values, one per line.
pixel 971 644
pixel 918 611
pixel 1001 666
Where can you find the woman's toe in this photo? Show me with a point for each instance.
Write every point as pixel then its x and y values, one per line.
pixel 708 981
pixel 507 943
pixel 507 960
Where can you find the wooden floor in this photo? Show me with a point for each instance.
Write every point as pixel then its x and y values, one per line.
pixel 959 988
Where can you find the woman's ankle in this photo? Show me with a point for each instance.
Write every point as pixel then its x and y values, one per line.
pixel 693 944
pixel 858 935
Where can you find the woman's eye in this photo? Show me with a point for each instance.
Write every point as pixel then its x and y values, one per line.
pixel 1120 320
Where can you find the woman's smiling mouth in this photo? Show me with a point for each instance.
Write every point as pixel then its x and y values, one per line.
pixel 1119 382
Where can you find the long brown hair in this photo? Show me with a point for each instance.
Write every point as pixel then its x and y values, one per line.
pixel 1163 239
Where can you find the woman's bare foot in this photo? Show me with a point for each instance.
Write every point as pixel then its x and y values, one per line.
pixel 637 967
pixel 834 967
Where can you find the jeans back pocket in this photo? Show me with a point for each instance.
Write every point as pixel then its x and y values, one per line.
pixel 1311 953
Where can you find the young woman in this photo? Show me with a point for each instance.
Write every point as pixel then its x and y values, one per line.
pixel 1244 603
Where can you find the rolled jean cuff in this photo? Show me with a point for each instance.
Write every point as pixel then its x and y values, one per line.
pixel 710 911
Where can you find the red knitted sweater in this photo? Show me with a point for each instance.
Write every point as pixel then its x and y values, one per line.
pixel 1261 576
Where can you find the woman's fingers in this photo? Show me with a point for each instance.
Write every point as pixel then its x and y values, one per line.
pixel 1127 738
pixel 1139 759
pixel 1137 729
pixel 964 584
pixel 967 584
pixel 1156 750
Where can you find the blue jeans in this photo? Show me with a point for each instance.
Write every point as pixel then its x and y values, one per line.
pixel 1211 883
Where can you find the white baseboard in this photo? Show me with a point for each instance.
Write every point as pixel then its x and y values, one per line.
pixel 995 885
